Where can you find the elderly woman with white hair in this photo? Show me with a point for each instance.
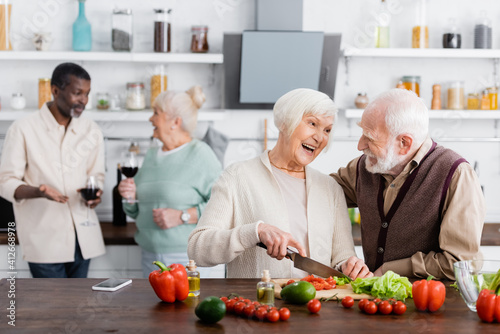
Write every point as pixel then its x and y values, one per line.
pixel 277 199
pixel 174 183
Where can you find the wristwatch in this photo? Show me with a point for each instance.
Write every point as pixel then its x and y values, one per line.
pixel 185 216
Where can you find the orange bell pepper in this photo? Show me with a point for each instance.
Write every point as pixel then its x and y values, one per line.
pixel 428 294
pixel 170 283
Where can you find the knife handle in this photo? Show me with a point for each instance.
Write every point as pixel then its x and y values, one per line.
pixel 290 253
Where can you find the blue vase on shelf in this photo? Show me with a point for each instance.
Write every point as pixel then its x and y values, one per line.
pixel 82 31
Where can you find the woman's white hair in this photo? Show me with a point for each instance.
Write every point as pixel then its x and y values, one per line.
pixel 294 105
pixel 182 104
pixel 404 112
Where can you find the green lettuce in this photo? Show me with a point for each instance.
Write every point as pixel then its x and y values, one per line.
pixel 341 280
pixel 389 285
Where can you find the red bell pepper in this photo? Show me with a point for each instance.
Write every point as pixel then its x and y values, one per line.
pixel 428 294
pixel 170 283
pixel 488 302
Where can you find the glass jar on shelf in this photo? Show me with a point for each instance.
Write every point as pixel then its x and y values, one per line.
pixel 122 30
pixel 452 39
pixel 199 39
pixel 136 98
pixel 18 102
pixel 412 82
pixel 420 31
pixel 102 101
pixel 361 101
pixel 162 30
pixel 44 91
pixel 485 100
pixel 456 95
pixel 483 32
pixel 114 102
pixel 473 101
pixel 493 96
pixel 158 83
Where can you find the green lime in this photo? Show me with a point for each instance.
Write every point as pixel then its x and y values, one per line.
pixel 211 310
pixel 298 293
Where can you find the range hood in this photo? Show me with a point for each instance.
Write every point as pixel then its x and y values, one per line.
pixel 262 65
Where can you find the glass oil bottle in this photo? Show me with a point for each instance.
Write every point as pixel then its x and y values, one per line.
pixel 265 289
pixel 193 279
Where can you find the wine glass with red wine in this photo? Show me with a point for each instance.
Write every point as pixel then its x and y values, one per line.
pixel 129 168
pixel 89 193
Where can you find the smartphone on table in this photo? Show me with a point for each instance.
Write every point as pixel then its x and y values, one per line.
pixel 112 284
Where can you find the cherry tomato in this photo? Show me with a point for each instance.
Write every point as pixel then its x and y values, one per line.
pixel 362 303
pixel 247 301
pixel 266 307
pixel 314 306
pixel 399 308
pixel 249 311
pixel 224 299
pixel 238 307
pixel 377 300
pixel 273 316
pixel 385 307
pixel 370 308
pixel 348 302
pixel 284 313
pixel 230 305
pixel 290 282
pixel 260 313
pixel 256 304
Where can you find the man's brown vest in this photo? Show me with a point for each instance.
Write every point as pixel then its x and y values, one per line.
pixel 413 222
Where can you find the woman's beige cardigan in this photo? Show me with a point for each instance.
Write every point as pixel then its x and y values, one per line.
pixel 247 193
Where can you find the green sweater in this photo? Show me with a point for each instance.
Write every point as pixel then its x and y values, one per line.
pixel 180 180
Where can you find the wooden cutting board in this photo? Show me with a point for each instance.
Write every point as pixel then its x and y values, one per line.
pixel 340 291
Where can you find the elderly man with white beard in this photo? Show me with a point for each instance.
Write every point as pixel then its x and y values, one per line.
pixel 421 204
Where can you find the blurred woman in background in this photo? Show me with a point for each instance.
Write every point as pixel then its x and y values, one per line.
pixel 174 183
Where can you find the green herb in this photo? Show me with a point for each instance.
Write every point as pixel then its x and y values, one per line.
pixel 341 280
pixel 390 285
pixel 495 281
pixel 455 286
pixel 103 102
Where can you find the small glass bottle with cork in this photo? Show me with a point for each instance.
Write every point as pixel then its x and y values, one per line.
pixel 193 279
pixel 265 289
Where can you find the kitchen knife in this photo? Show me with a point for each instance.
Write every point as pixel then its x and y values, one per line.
pixel 309 265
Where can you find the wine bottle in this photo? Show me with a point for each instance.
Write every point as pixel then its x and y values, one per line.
pixel 119 217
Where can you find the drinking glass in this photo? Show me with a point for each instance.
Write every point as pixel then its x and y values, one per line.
pixel 130 167
pixel 89 193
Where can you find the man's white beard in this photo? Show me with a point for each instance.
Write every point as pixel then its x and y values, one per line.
pixel 73 114
pixel 383 165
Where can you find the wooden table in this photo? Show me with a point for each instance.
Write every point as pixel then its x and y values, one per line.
pixel 70 306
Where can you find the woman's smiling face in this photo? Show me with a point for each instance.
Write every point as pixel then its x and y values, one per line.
pixel 310 138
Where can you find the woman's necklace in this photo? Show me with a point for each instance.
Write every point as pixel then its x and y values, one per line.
pixel 288 170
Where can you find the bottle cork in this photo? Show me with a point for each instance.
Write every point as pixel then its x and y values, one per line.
pixel 436 97
pixel 191 265
pixel 265 276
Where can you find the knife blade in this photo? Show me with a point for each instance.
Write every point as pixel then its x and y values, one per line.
pixel 309 265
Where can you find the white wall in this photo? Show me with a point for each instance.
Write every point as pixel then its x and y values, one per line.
pixel 351 18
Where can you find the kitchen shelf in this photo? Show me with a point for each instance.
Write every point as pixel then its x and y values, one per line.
pixel 442 114
pixel 117 116
pixel 421 53
pixel 134 57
